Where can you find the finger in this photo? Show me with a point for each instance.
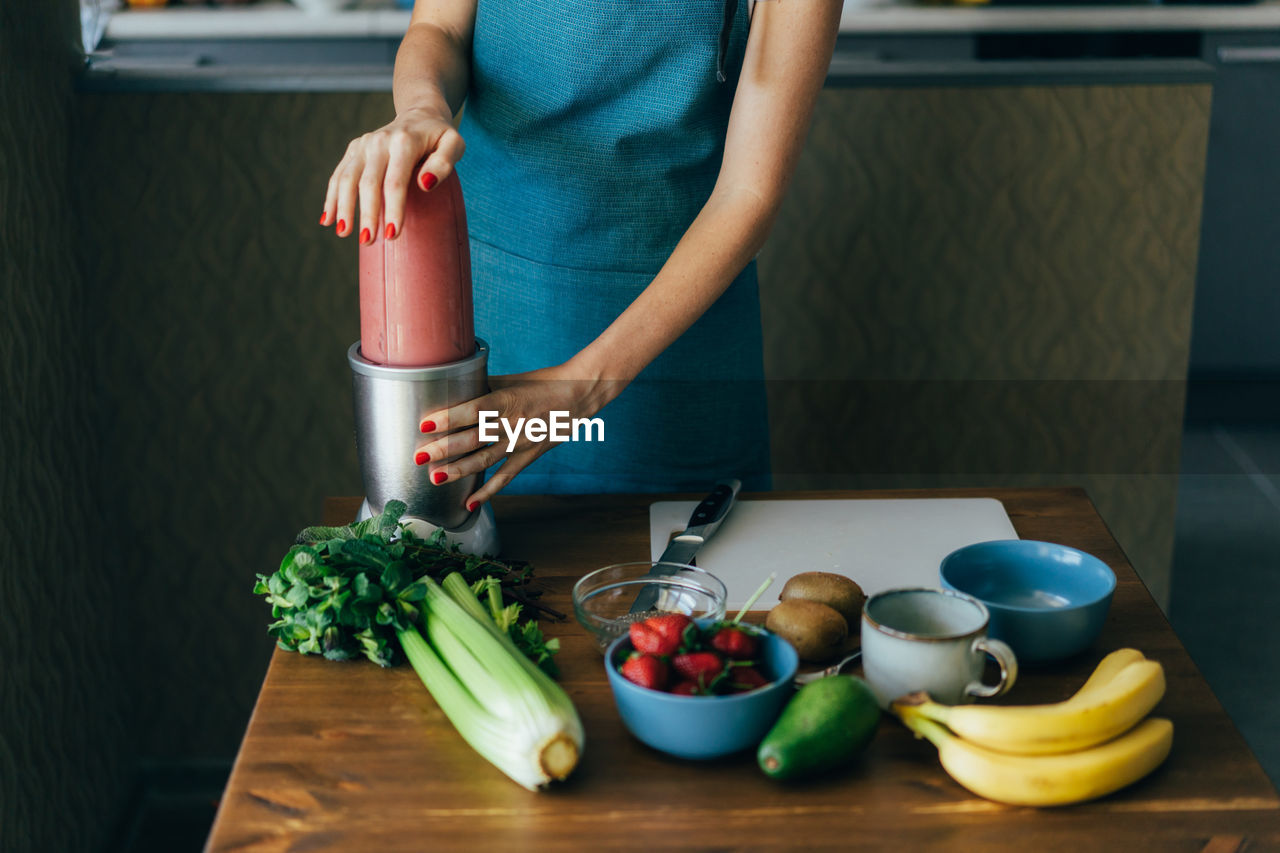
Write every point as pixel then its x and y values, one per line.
pixel 370 186
pixel 452 445
pixel 439 163
pixel 350 170
pixel 329 214
pixel 504 474
pixel 401 156
pixel 461 415
pixel 472 463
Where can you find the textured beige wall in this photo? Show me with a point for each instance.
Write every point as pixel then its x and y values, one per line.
pixel 973 286
pixel 65 756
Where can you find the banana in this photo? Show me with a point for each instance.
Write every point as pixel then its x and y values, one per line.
pixel 1101 710
pixel 1048 780
pixel 1108 668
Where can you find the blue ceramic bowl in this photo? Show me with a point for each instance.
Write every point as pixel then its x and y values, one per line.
pixel 705 726
pixel 1046 601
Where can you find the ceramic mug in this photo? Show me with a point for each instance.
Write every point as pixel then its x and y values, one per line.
pixel 933 640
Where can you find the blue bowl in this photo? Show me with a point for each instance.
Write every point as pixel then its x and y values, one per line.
pixel 1047 601
pixel 703 727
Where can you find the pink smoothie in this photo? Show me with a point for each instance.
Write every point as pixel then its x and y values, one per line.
pixel 415 290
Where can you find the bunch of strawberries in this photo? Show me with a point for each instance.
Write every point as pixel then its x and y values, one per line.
pixel 673 654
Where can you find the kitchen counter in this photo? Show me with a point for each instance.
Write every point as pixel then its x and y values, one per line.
pixel 349 757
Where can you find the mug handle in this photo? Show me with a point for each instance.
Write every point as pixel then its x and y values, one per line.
pixel 1008 668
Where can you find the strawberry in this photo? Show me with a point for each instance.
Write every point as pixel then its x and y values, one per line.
pixel 645 670
pixel 743 679
pixel 735 643
pixel 700 667
pixel 686 688
pixel 646 639
pixel 660 635
pixel 671 625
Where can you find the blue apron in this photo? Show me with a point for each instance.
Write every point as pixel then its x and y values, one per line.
pixel 594 132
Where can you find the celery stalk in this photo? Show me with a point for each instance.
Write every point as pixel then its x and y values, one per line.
pixel 506 708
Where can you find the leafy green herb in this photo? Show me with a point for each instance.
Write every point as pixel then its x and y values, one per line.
pixel 348 591
pixel 527 637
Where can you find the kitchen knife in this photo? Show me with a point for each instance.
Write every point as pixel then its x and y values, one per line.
pixel 703 523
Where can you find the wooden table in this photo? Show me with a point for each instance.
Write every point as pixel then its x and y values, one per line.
pixel 350 757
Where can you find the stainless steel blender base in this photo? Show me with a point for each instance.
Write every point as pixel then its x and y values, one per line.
pixel 477 535
pixel 389 404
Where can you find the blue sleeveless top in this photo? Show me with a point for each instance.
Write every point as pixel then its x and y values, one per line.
pixel 595 131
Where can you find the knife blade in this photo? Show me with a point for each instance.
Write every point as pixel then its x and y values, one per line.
pixel 706 518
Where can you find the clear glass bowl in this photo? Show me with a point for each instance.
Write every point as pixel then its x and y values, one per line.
pixel 602 599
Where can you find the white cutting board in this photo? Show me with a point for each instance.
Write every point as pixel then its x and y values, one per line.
pixel 881 544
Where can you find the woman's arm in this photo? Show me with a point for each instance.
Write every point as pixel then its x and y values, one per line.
pixel 433 63
pixel 786 62
pixel 432 69
pixel 788 53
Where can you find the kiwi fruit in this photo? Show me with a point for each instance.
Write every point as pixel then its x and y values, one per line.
pixel 836 591
pixel 817 631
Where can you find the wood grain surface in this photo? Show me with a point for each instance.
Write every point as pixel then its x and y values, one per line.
pixel 350 757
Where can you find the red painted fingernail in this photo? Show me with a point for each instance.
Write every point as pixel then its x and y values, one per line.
pixel 365 236
pixel 439 477
pixel 422 457
pixel 428 426
pixel 391 231
pixel 342 227
pixel 429 180
pixel 471 507
pixel 324 218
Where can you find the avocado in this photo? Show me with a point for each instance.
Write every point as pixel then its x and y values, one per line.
pixel 825 725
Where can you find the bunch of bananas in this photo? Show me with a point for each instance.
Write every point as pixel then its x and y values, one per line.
pixel 1092 744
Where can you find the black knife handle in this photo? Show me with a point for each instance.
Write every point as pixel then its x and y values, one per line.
pixel 714 507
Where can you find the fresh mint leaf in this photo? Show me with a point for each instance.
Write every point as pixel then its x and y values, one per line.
pixel 298 594
pixel 315 535
pixel 415 591
pixel 530 640
pixel 389 521
pixel 305 564
pixel 386 614
pixel 395 576
pixel 366 553
pixel 354 618
pixel 336 646
pixel 346 591
pixel 372 592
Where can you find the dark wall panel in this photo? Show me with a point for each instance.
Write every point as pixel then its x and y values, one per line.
pixel 65 752
pixel 994 285
pixel 224 313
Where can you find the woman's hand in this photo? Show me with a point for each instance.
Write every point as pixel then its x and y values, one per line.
pixel 536 394
pixel 378 166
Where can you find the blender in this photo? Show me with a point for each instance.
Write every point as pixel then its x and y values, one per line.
pixel 418 354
